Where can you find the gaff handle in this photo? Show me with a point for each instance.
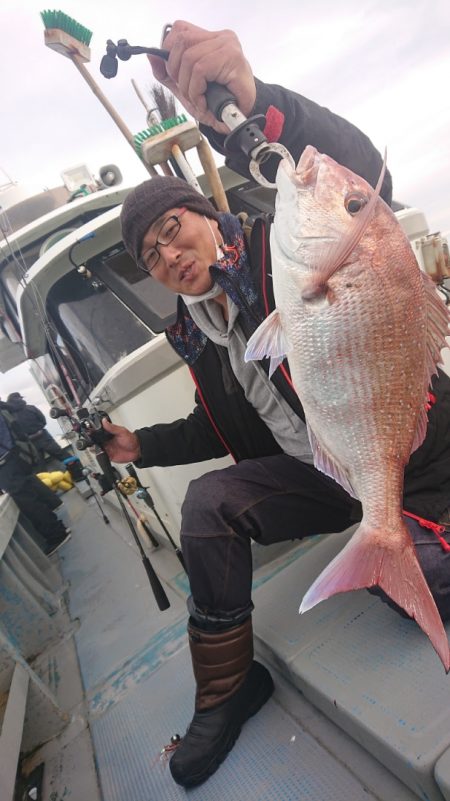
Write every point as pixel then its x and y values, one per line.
pixel 217 95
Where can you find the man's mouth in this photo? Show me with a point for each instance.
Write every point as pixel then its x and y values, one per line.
pixel 186 272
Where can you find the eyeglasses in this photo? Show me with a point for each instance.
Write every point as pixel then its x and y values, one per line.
pixel 165 236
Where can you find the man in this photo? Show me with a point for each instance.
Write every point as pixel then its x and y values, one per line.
pixel 18 459
pixel 33 423
pixel 273 492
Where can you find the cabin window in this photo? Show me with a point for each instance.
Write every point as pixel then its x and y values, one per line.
pixel 52 376
pixel 150 301
pixel 93 325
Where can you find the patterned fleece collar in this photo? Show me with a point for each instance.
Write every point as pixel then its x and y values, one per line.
pixel 233 274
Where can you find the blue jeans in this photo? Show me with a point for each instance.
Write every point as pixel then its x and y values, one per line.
pixel 272 499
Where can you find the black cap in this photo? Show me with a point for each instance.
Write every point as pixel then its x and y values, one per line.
pixel 14 396
pixel 150 200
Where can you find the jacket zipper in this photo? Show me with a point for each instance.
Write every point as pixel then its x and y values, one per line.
pixel 210 417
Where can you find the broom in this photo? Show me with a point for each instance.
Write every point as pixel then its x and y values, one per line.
pixel 68 37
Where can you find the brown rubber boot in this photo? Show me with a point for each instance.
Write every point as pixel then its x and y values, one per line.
pixel 231 687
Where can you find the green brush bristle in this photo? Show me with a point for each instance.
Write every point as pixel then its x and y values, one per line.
pixel 162 126
pixel 57 19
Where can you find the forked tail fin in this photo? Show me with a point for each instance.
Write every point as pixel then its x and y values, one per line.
pixel 364 562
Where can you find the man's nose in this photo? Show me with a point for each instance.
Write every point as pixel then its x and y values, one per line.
pixel 171 254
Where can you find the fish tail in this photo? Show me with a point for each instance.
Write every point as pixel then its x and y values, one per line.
pixel 364 562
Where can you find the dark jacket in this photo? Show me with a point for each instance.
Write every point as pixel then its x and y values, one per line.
pixel 296 122
pixel 223 421
pixel 30 418
pixel 18 456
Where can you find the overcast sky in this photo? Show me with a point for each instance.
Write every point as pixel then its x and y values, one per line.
pixel 382 64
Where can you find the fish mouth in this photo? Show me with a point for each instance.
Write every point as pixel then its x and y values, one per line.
pixel 307 167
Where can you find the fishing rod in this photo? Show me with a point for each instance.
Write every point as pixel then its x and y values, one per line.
pixel 143 493
pixel 142 521
pixel 86 473
pixel 127 487
pixel 158 589
pixel 91 434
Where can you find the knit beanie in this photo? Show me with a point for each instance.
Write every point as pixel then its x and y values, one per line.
pixel 150 200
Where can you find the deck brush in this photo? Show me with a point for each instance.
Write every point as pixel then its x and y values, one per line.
pixel 66 35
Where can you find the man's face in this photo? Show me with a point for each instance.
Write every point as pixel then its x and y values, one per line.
pixel 183 264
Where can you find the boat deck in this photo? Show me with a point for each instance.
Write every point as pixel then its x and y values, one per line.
pixel 360 694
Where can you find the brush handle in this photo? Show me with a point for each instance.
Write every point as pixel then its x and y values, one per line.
pixel 107 106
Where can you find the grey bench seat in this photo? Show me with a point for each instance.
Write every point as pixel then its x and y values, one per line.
pixel 370 671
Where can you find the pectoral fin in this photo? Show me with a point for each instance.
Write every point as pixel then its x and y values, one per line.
pixel 268 340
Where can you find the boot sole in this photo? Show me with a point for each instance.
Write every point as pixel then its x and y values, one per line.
pixel 219 758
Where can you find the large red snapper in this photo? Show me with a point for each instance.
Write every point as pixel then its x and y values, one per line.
pixel 362 328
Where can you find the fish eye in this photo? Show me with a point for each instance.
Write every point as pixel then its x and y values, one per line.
pixel 354 202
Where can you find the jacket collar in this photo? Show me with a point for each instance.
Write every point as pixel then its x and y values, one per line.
pixel 233 274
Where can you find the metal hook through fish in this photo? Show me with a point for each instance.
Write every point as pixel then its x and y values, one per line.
pixel 260 155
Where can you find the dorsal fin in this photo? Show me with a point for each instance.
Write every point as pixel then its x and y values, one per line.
pixel 438 322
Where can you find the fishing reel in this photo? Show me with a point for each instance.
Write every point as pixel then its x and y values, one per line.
pixel 90 429
pixel 87 424
pixel 106 482
pixel 128 485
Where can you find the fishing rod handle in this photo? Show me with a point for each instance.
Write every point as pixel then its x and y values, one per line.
pixel 149 534
pixel 131 470
pixel 180 558
pixel 142 492
pixel 149 500
pixel 158 589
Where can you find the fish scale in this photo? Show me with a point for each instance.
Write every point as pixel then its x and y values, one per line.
pixel 362 327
